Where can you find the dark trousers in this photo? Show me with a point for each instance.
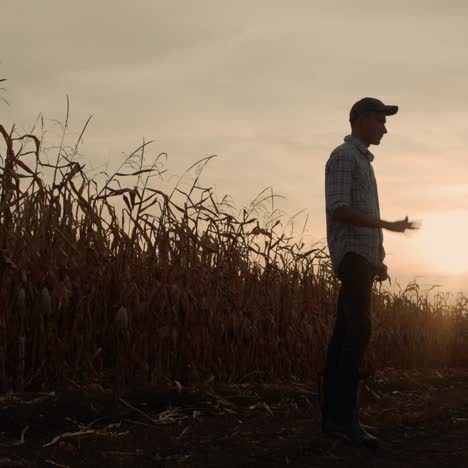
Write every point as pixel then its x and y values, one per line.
pixel 349 339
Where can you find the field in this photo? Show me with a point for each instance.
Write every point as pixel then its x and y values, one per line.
pixel 110 285
pixel 421 417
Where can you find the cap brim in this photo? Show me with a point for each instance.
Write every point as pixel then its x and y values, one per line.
pixel 390 110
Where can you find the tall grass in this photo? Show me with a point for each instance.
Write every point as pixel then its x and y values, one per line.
pixel 118 282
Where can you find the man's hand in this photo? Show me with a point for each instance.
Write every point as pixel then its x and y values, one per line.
pixel 381 273
pixel 400 226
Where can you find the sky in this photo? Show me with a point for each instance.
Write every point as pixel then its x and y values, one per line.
pixel 267 87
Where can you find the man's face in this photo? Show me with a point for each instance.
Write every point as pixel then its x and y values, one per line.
pixel 372 127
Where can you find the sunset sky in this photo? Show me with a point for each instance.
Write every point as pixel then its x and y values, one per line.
pixel 267 86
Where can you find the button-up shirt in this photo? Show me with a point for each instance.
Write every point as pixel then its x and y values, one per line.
pixel 350 181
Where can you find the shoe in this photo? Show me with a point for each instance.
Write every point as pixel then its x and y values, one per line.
pixel 353 431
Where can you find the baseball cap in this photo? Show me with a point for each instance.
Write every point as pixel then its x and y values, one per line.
pixel 369 104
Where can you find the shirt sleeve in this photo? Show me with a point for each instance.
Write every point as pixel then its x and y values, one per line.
pixel 338 181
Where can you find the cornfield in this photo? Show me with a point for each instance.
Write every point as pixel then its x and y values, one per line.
pixel 118 282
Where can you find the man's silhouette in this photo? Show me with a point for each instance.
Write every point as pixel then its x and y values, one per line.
pixel 355 242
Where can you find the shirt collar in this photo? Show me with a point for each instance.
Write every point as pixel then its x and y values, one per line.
pixel 360 146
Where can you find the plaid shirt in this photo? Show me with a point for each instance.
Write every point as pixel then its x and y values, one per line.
pixel 350 181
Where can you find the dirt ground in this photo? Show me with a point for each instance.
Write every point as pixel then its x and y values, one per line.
pixel 420 416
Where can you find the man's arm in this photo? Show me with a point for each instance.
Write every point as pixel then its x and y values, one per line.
pixel 350 215
pixel 338 183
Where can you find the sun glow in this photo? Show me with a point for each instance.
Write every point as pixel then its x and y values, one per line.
pixel 443 241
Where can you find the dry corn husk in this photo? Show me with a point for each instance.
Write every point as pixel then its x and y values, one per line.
pixel 46 307
pixel 121 318
pixel 21 303
pixel 68 290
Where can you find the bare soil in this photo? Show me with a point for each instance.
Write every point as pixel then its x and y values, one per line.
pixel 421 417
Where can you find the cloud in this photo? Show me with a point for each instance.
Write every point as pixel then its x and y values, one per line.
pixel 267 85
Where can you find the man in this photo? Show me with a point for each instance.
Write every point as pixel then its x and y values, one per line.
pixel 355 242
